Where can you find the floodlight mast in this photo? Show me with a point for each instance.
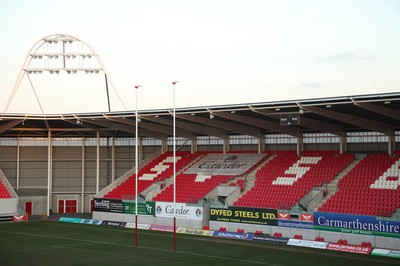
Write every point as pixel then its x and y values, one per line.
pixel 40 52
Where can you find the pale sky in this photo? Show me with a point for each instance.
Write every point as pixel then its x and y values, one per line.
pixel 221 51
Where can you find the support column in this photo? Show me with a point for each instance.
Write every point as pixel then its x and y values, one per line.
pixel 83 176
pixel 49 172
pixel 261 143
pixel 193 147
pixel 98 163
pixel 225 144
pixel 164 144
pixel 140 150
pixel 113 160
pixel 300 144
pixel 18 163
pixel 391 142
pixel 343 142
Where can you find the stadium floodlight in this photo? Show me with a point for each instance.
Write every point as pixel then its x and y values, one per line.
pixel 47 48
pixel 174 156
pixel 136 162
pixel 212 116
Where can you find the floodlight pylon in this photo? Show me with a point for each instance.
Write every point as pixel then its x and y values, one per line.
pixel 40 51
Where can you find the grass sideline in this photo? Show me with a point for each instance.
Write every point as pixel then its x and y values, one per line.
pixel 56 243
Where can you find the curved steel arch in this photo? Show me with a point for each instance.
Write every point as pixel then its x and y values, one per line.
pixel 33 54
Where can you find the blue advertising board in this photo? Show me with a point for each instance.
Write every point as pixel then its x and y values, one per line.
pixel 295 224
pixel 356 224
pixel 70 220
pixel 233 235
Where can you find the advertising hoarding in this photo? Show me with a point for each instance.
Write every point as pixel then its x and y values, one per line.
pixel 244 215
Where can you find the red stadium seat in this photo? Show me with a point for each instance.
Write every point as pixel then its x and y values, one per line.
pixel 157 170
pixel 287 177
pixel 370 188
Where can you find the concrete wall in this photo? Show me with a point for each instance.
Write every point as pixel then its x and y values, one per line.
pixel 8 206
pixel 39 204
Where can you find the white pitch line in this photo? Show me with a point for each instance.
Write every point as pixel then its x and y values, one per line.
pixel 124 245
pixel 245 243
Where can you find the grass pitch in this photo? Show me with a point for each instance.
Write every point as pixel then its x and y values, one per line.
pixel 56 243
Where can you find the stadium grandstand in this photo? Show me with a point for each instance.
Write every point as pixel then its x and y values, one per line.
pixel 302 158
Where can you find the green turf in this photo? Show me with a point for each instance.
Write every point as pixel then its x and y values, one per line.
pixel 56 243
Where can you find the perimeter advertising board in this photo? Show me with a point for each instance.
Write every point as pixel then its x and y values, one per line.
pixel 386 252
pixel 148 208
pixel 307 243
pixel 14 218
pixel 356 224
pixel 233 235
pixel 108 205
pixel 191 231
pixel 295 224
pixel 349 248
pixel 183 211
pixel 6 218
pixel 244 215
pixel 271 239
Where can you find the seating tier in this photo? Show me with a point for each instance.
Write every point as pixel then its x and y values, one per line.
pixel 4 194
pixel 190 188
pixel 371 188
pixel 158 170
pixel 286 178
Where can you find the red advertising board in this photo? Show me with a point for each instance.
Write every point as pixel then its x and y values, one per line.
pixel 307 218
pixel 283 216
pixel 349 248
pixel 19 218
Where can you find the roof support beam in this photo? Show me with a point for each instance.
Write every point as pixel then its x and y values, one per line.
pixel 164 130
pixel 91 126
pixel 350 119
pixel 195 128
pixel 10 125
pixel 232 127
pixel 379 109
pixel 131 124
pixel 306 122
pixel 258 123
